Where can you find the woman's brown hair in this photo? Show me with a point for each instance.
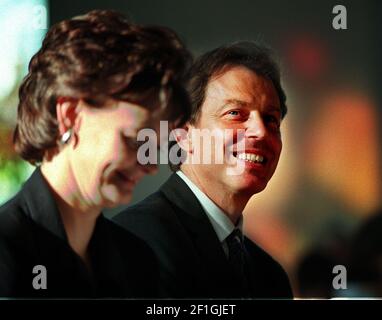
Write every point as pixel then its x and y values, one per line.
pixel 96 57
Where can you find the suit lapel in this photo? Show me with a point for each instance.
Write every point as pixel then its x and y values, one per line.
pixel 213 270
pixel 253 282
pixel 259 285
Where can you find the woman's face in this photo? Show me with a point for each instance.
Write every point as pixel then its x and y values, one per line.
pixel 104 158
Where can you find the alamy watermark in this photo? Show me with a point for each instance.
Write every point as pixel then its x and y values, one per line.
pixel 205 146
pixel 40 277
pixel 340 19
pixel 340 280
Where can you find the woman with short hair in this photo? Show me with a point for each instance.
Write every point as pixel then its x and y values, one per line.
pixel 96 81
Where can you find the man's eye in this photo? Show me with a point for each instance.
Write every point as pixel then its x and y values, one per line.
pixel 233 113
pixel 272 119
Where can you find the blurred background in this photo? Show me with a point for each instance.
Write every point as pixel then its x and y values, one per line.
pixel 324 202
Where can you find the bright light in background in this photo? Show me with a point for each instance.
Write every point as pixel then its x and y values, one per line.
pixel 341 149
pixel 22 27
pixel 20 38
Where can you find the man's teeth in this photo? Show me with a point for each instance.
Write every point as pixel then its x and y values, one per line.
pixel 250 157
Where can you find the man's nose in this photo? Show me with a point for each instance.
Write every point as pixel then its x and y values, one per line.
pixel 255 126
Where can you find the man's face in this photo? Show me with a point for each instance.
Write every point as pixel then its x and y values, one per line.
pixel 240 100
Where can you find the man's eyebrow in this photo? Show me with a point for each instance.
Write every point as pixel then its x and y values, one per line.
pixel 236 102
pixel 272 108
pixel 241 103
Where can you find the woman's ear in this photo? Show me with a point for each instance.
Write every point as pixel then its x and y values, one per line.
pixel 67 112
pixel 183 137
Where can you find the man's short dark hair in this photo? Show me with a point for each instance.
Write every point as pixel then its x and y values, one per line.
pixel 247 54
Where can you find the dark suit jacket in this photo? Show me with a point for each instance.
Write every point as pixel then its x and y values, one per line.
pixel 32 233
pixel 192 260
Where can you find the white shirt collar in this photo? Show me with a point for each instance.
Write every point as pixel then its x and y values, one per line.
pixel 222 225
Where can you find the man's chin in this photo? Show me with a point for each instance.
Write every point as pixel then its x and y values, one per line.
pixel 250 185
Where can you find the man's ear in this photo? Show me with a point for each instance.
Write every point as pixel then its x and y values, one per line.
pixel 183 137
pixel 67 112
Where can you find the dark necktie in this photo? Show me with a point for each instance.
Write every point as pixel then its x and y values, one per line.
pixel 236 258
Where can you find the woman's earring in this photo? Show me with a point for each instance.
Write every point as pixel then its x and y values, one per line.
pixel 66 136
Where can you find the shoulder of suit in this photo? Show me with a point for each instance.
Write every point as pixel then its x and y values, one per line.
pixel 12 217
pixel 154 219
pixel 127 240
pixel 155 206
pixel 16 230
pixel 121 235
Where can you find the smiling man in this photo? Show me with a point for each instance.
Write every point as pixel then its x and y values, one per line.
pixel 194 222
